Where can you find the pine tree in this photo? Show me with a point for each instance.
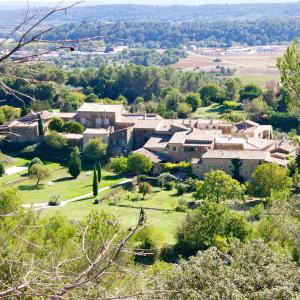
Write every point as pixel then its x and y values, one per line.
pixel 99 171
pixel 24 110
pixel 75 163
pixel 40 126
pixel 95 183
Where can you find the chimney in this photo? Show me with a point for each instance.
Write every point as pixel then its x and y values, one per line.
pixel 145 115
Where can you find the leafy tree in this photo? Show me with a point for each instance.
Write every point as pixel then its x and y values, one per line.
pixel 56 141
pixel 91 98
pixel 39 172
pixel 10 112
pixel 219 186
pixel 256 107
pixel 172 99
pixel 194 100
pixel 73 127
pixel 139 164
pixel 40 126
pixel 211 93
pixel 145 188
pixel 95 183
pixel 56 124
pixel 99 175
pixel 232 88
pixel 183 110
pixel 10 201
pixel 119 164
pixel 35 160
pixel 2 117
pixel 289 66
pixel 94 150
pixel 203 226
pixel 250 271
pixel 75 163
pixel 268 177
pixel 250 91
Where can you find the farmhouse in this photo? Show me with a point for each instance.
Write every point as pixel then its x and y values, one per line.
pixel 207 144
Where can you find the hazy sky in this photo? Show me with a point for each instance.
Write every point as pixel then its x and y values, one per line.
pixel 195 2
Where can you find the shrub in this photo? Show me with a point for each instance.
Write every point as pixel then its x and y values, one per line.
pixel 73 127
pixel 94 150
pixel 10 112
pixel 54 200
pixel 2 169
pixel 119 165
pixel 257 211
pixel 231 105
pixel 139 164
pixel 174 167
pixel 235 116
pixel 55 141
pixel 56 124
pixel 28 151
pixel 145 188
pixel 169 186
pixel 181 188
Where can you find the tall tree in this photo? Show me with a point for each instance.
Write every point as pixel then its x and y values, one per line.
pixel 24 110
pixel 99 173
pixel 75 163
pixel 95 183
pixel 40 126
pixel 289 66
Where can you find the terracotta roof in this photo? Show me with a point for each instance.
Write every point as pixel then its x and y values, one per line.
pixel 155 157
pixel 97 107
pixel 241 154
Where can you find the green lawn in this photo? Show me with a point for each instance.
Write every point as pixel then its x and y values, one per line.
pixel 164 222
pixel 213 111
pixel 63 184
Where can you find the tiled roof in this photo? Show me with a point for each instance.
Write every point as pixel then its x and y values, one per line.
pixel 146 124
pixel 155 157
pixel 242 154
pixel 157 142
pixel 262 144
pixel 194 134
pixel 97 107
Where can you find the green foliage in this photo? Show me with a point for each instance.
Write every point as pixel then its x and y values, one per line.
pixel 235 116
pixel 24 110
pixel 10 200
pixel 232 88
pixel 183 166
pixel 2 117
pixel 257 211
pixel 139 164
pixel 183 110
pixel 55 141
pixel 250 92
pixel 218 186
pixel 256 107
pixel 75 163
pixel 10 112
pixel 236 165
pixel 289 66
pixel 194 100
pixel 41 129
pixel 268 177
pixel 91 98
pixel 39 172
pixel 211 93
pixel 231 105
pixel 99 171
pixel 73 127
pixel 202 226
pixel 145 188
pixel 95 183
pixel 56 124
pixel 2 168
pixel 35 160
pixel 119 164
pixel 250 271
pixel 94 150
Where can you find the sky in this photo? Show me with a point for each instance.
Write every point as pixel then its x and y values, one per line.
pixel 15 3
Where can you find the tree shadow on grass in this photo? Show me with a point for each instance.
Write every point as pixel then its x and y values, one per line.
pixel 30 187
pixel 111 177
pixel 217 109
pixel 67 178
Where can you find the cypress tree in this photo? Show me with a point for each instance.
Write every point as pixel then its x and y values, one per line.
pixel 99 171
pixel 24 110
pixel 40 126
pixel 2 169
pixel 95 183
pixel 75 163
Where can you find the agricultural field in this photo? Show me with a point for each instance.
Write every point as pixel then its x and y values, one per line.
pixel 251 64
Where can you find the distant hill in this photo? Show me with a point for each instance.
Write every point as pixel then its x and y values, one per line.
pixel 176 13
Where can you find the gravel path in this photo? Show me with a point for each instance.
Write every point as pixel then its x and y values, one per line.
pixel 14 170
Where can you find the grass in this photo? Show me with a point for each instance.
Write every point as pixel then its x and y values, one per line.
pixel 213 111
pixel 260 79
pixel 63 184
pixel 164 222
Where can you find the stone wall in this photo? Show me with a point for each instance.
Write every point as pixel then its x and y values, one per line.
pixel 96 119
pixel 24 134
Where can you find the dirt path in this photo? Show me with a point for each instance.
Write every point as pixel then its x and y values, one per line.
pixel 44 205
pixel 14 170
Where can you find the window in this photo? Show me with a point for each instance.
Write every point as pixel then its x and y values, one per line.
pixel 98 121
pixel 83 121
pixel 174 149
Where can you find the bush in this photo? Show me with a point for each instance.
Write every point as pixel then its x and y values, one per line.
pixel 145 188
pixel 235 116
pixel 94 150
pixel 139 164
pixel 257 211
pixel 182 166
pixel 56 124
pixel 2 169
pixel 169 186
pixel 231 105
pixel 28 151
pixel 181 188
pixel 55 141
pixel 119 165
pixel 73 127
pixel 54 200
